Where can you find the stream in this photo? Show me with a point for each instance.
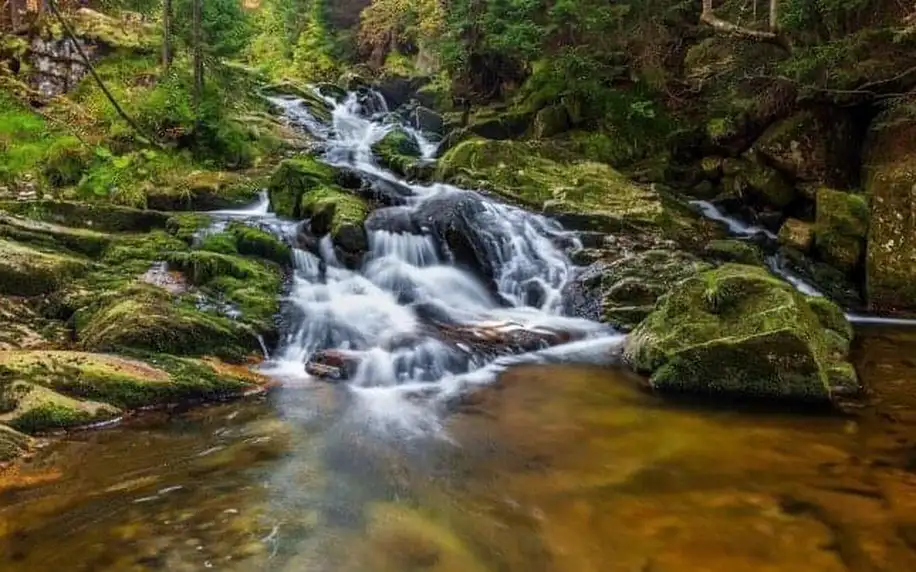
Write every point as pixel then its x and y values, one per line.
pixel 564 465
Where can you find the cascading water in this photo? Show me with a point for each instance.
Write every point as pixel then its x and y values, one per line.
pixel 778 267
pixel 386 311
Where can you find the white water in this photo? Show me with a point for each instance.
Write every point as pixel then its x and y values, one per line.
pixel 777 266
pixel 381 311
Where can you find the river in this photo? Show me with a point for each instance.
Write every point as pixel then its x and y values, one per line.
pixel 540 464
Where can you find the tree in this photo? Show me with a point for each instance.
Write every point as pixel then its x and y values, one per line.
pixel 198 50
pixel 166 34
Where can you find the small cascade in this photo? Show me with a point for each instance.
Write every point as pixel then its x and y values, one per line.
pixel 779 268
pixel 410 319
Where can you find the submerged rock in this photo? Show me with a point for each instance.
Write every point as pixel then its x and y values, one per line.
pixel 738 331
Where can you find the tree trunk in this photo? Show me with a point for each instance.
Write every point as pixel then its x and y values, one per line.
pixel 198 56
pixel 166 35
pixel 15 15
pixel 774 15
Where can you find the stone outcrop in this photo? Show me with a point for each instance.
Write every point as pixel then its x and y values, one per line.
pixel 738 331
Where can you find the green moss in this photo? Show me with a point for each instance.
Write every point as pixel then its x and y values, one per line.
pixel 65 162
pixel 398 150
pixel 841 228
pixel 25 271
pixel 186 226
pixel 38 409
pixel 221 243
pixel 13 444
pixel 96 216
pixel 338 207
pixel 737 330
pixel 52 236
pixel 252 241
pixel 728 250
pixel 292 179
pixel 148 319
pixel 514 169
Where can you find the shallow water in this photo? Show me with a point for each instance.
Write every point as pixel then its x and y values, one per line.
pixel 554 468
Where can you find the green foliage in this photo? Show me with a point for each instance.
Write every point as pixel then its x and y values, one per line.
pixel 225 26
pixel 830 18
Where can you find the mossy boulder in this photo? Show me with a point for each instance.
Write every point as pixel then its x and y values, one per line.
pixel 124 32
pixel 841 228
pixel 101 217
pixel 26 271
pixel 890 178
pixel 739 331
pixel 146 318
pixel 398 150
pixel 206 190
pixel 53 236
pixel 731 250
pixel 47 390
pixel 341 215
pixel 551 121
pixel 767 185
pixel 815 146
pixel 583 194
pixel 797 234
pixel 293 178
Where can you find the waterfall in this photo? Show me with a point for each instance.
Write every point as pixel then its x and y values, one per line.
pixel 386 312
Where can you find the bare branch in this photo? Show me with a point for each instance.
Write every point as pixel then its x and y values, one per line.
pixel 709 17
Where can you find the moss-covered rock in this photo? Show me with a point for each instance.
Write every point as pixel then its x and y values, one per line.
pixel 314 102
pixel 841 228
pixel 797 234
pixel 251 241
pixel 53 236
pixel 632 285
pixel 204 191
pixel 294 178
pixel 739 331
pixel 13 444
pixel 21 327
pixel 128 383
pixel 767 184
pixel 585 194
pixel 187 226
pixel 890 178
pixel 26 271
pixel 551 121
pixel 148 319
pixel 341 215
pixel 124 32
pixel 812 146
pixel 730 250
pixel 398 150
pixel 97 216
pixel 33 408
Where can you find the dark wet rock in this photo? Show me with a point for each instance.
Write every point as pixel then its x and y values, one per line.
pixel 622 292
pixel 333 365
pixel 384 191
pixel 398 90
pixel 425 119
pixel 393 219
pixel 453 219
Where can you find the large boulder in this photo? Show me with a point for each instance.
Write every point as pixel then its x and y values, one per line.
pixel 739 331
pixel 889 184
pixel 96 216
pixel 813 146
pixel 797 234
pixel 841 228
pixel 293 178
pixel 582 194
pixel 398 150
pixel 204 191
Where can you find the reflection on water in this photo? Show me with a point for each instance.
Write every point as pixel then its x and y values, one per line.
pixel 555 468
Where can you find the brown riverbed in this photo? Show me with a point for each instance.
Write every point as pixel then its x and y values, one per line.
pixel 555 468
